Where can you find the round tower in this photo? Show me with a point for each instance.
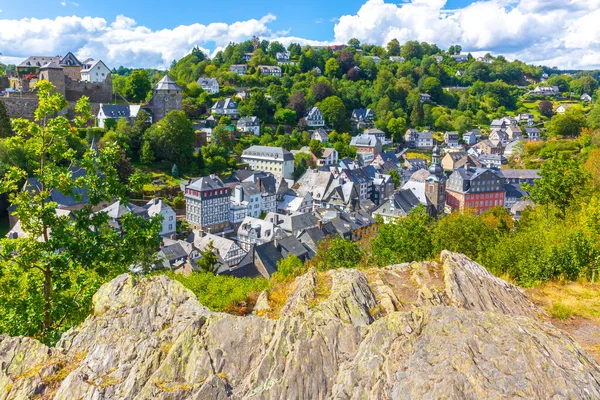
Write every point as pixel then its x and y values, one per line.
pixel 435 184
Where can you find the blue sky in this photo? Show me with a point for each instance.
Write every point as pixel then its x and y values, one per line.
pixel 149 33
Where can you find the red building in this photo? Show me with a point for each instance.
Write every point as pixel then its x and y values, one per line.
pixel 476 188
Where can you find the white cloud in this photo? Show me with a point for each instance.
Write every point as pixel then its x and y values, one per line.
pixel 564 33
pixel 554 32
pixel 67 3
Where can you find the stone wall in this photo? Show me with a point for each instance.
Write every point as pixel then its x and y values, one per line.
pixel 97 92
pixel 25 106
pixel 4 82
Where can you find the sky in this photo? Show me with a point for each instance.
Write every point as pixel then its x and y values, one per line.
pixel 151 34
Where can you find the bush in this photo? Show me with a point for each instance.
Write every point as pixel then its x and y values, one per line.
pixel 218 292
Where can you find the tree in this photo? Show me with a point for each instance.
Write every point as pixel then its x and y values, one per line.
pixel 560 81
pixel 592 166
pixel 396 178
pixel 48 278
pixel 433 86
pixel 545 108
pixel 397 127
pixel 289 267
pixel 354 43
pixel 147 157
pixel 594 117
pixel 345 59
pixel 137 86
pixel 5 126
pixel 297 103
pixel 332 68
pixel 285 116
pixel 321 90
pixel 336 253
pixel 561 180
pixel 404 240
pixel 209 261
pixel 316 148
pixel 393 47
pixel 568 124
pixel 172 138
pixel 411 49
pixel 334 111
pixel 175 171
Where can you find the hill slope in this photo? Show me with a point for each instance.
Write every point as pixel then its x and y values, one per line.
pixel 421 330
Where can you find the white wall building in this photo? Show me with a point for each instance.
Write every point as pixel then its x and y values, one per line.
pixel 158 207
pixel 94 71
pixel 275 160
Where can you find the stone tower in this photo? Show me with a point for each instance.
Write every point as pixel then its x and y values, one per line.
pixel 166 97
pixel 435 184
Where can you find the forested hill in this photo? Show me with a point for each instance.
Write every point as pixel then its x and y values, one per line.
pixel 364 76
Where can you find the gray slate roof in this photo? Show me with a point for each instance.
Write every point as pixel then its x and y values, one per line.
pixel 166 83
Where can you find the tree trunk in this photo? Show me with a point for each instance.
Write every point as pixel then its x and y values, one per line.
pixel 47 299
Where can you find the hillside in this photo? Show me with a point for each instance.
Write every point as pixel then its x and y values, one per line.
pixel 419 330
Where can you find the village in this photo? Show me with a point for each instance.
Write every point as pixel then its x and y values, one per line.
pixel 259 213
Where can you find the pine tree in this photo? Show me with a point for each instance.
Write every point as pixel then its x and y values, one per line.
pixel 209 262
pixel 175 171
pixel 5 125
pixel 148 156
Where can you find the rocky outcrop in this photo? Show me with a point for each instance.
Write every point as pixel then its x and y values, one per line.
pixel 410 331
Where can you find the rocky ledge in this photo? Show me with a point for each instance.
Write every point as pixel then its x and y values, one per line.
pixel 411 331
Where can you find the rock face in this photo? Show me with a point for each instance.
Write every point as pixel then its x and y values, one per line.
pixel 411 331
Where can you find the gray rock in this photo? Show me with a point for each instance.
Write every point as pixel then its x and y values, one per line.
pixel 415 331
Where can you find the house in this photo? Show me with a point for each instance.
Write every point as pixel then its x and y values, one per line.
pixel 260 262
pixel 399 205
pixel 493 161
pixel 317 70
pixel 207 204
pixel 460 58
pixel 546 91
pixel 424 140
pixel 247 56
pixel 275 160
pixel 293 224
pixel 117 111
pixel 561 109
pixel 376 59
pixel 519 176
pixel 469 138
pixel 249 124
pixel 94 71
pixel 486 147
pixel 173 256
pixel 296 204
pixel 362 117
pixel 225 107
pixel 366 144
pixel 528 118
pixel 513 194
pixel 290 245
pixel 209 85
pixel 513 148
pixel 329 157
pixel 362 181
pixel 498 137
pixel 451 139
pixel 438 59
pixel 283 57
pixel 240 69
pixel 425 98
pixel 586 97
pixel 415 164
pixel 476 188
pixel 485 60
pixel 246 201
pixel 460 72
pixel 255 231
pixel 514 132
pixel 533 134
pixel 383 187
pixel 169 219
pixel 229 252
pixel 397 59
pixel 269 70
pixel 519 207
pixel 379 134
pixel 321 135
pixel 314 117
pixel 457 159
pixel 118 209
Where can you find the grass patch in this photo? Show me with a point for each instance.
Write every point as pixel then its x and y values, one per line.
pixel 221 293
pixel 562 301
pixel 322 288
pixel 560 311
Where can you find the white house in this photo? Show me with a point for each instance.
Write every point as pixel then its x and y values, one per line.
pixel 249 124
pixel 240 69
pixel 460 58
pixel 451 139
pixel 283 58
pixel 293 204
pixel 546 90
pixel 209 85
pixel 94 71
pixel 275 160
pixel 321 135
pixel 561 109
pixel 330 157
pixel 158 207
pixel 397 59
pixel 585 97
pixel 116 112
pixel 270 70
pixel 314 117
pixel 225 107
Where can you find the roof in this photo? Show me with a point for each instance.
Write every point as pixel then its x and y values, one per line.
pixel 312 112
pixel 364 140
pixel 155 206
pixel 173 252
pixel 400 203
pixel 361 114
pixel 221 244
pixel 39 61
pixel 268 255
pixel 166 83
pixel 514 190
pixel 207 81
pixel 207 183
pixel 520 173
pixel 117 209
pixel 293 223
pixel 278 153
pixel 249 121
pixel 117 111
pixel 88 66
pixel 292 246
